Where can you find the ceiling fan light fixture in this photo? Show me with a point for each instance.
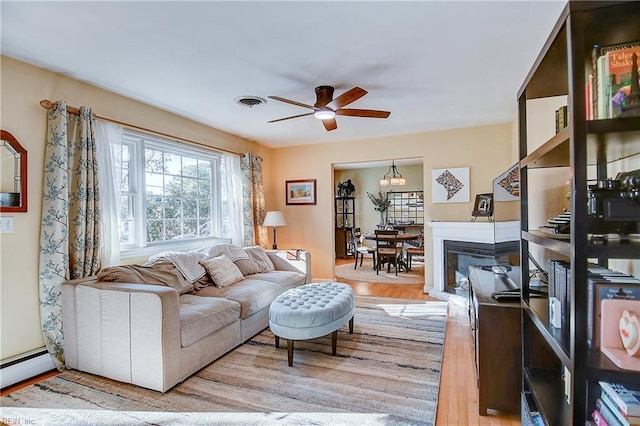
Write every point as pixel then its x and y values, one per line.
pixel 324 114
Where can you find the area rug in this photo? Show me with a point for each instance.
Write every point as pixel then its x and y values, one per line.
pixel 366 273
pixel 387 372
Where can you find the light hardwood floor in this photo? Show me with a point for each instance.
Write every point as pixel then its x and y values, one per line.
pixel 458 398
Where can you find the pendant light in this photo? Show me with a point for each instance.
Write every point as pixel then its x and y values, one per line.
pixel 392 177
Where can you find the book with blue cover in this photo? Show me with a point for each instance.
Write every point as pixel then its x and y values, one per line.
pixel 626 398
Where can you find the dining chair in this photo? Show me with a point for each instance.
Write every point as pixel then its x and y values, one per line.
pixel 359 249
pixel 415 251
pixel 388 250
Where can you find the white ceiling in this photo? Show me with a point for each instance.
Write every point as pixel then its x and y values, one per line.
pixel 434 65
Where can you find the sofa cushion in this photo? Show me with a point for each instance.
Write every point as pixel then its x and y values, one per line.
pixel 222 270
pixel 285 279
pixel 252 295
pixel 163 273
pixel 258 255
pixel 202 316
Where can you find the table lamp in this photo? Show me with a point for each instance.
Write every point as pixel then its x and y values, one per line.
pixel 275 219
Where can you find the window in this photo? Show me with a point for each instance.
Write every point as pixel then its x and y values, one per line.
pixel 168 192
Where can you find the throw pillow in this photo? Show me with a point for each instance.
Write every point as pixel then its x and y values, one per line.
pixel 163 273
pixel 222 270
pixel 247 266
pixel 259 256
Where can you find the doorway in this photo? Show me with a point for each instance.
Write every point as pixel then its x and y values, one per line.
pixel 365 179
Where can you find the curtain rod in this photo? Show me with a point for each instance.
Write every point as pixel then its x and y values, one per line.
pixel 47 104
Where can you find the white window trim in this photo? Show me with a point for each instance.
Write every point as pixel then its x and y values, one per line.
pixel 141 248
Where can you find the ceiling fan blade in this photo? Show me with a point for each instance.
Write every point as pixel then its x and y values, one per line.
pixel 369 113
pixel 346 98
pixel 288 118
pixel 288 101
pixel 330 124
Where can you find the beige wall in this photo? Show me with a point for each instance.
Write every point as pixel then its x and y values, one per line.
pixel 487 150
pixel 22 88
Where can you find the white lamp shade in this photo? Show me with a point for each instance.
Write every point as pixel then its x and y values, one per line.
pixel 384 182
pixel 274 218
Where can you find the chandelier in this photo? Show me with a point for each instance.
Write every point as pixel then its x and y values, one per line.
pixel 392 177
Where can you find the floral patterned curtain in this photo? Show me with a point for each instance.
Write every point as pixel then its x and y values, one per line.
pixel 70 229
pixel 253 208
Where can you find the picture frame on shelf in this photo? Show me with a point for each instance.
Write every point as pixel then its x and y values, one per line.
pixel 301 192
pixel 483 206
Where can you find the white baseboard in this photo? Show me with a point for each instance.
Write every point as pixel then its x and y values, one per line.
pixel 20 370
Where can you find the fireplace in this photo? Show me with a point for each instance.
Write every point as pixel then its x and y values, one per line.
pixel 457 245
pixel 459 255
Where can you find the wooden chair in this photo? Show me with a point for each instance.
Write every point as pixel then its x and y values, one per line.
pixel 387 250
pixel 359 249
pixel 415 251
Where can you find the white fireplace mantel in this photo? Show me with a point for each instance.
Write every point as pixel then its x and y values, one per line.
pixel 477 232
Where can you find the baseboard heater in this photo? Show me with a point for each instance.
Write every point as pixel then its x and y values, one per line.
pixel 24 367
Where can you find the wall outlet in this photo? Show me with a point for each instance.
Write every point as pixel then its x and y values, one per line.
pixel 6 225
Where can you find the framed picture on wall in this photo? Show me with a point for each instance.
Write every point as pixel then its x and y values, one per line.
pixel 301 192
pixel 450 185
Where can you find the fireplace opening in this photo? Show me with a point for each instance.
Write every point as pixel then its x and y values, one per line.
pixel 459 255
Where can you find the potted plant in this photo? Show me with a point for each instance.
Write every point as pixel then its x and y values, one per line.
pixel 380 204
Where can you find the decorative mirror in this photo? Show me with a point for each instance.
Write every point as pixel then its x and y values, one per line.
pixel 13 174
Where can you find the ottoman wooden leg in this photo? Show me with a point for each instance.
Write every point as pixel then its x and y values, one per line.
pixel 277 342
pixel 334 342
pixel 290 352
pixel 351 326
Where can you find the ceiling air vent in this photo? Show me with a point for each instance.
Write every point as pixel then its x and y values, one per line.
pixel 250 101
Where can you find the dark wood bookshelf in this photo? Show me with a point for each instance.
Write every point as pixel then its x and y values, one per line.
pixel 589 151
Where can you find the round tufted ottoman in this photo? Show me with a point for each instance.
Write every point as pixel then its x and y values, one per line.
pixel 311 311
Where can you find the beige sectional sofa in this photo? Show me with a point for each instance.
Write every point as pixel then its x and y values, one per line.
pixel 156 336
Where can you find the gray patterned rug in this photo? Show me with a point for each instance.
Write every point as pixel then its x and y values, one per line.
pixel 387 372
pixel 366 273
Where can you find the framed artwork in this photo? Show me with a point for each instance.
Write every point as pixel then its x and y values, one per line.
pixel 301 192
pixel 450 185
pixel 506 187
pixel 483 206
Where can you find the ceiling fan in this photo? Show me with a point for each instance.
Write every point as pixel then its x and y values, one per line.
pixel 326 108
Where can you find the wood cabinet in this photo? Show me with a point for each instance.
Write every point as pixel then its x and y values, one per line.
pixel 345 212
pixel 495 332
pixel 561 371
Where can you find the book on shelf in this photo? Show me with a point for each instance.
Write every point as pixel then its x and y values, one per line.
pixel 624 397
pixel 607 413
pixel 604 284
pixel 610 78
pixel 619 62
pixel 602 107
pixel 624 419
pixel 598 418
pixel 559 281
pixel 562 118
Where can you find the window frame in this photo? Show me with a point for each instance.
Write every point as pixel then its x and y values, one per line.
pixel 139 142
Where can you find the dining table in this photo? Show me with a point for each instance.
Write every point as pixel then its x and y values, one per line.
pixel 401 237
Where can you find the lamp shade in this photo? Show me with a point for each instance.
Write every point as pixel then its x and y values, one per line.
pixel 274 218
